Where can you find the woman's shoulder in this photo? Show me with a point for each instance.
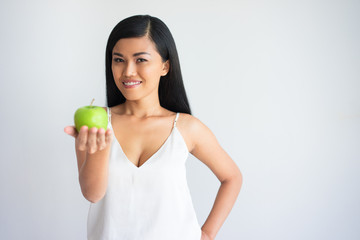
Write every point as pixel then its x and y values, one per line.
pixel 192 129
pixel 190 122
pixel 117 109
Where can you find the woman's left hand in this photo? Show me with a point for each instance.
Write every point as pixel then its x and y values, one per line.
pixel 204 236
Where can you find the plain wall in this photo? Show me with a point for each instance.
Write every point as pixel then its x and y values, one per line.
pixel 276 81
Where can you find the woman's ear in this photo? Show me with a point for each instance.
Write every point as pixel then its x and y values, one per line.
pixel 166 67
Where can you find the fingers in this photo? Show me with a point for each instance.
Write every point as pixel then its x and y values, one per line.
pixel 82 138
pixel 108 136
pixel 104 138
pixel 93 140
pixel 71 130
pixel 101 139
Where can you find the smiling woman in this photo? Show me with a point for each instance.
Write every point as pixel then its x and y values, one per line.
pixel 137 65
pixel 134 172
pixel 171 91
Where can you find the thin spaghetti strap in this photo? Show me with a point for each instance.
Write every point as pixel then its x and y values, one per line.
pixel 177 115
pixel 109 114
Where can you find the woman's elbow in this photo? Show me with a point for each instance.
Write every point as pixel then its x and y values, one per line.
pixel 235 179
pixel 93 197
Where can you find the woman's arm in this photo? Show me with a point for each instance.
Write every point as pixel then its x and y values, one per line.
pixel 207 149
pixel 92 151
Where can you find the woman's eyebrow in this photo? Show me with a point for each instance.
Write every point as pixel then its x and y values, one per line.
pixel 135 54
pixel 141 53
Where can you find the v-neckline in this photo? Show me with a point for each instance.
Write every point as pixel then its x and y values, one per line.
pixel 151 157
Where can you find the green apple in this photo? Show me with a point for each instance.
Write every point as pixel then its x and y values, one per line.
pixel 91 116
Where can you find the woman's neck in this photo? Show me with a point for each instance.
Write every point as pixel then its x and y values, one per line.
pixel 141 108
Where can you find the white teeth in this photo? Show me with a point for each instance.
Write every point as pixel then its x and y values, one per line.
pixel 131 83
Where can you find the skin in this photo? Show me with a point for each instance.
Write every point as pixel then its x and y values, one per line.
pixel 141 126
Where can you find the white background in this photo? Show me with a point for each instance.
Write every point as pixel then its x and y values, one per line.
pixel 276 81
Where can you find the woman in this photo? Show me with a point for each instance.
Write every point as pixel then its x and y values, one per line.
pixel 134 172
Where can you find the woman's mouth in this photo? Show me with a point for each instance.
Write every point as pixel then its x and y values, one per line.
pixel 131 84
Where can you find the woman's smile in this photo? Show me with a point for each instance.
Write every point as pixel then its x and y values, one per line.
pixel 137 68
pixel 131 83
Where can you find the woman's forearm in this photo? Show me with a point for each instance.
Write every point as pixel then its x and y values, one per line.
pixel 225 200
pixel 93 176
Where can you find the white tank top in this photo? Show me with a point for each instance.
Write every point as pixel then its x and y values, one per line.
pixel 150 202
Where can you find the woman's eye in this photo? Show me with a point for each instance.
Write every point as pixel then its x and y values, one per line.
pixel 141 60
pixel 118 60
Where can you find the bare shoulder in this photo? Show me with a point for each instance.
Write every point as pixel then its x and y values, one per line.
pixel 206 148
pixel 114 109
pixel 117 109
pixel 193 130
pixel 191 123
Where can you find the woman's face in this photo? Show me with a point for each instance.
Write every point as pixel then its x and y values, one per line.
pixel 137 67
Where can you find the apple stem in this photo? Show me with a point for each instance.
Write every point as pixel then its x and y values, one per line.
pixel 92 102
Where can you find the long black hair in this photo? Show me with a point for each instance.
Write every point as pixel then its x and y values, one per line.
pixel 172 95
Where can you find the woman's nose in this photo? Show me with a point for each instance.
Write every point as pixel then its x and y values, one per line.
pixel 130 70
